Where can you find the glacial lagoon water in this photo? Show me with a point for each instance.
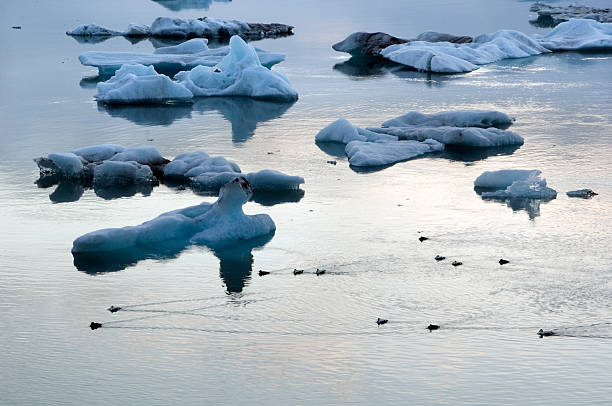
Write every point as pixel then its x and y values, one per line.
pixel 204 328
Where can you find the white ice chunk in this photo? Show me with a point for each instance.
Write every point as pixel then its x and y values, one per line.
pixel 91 30
pixel 202 224
pixel 273 181
pixel 579 34
pixel 385 153
pixel 186 28
pixel 193 46
pixel 67 165
pixel 196 163
pixel 141 84
pixel 97 153
pixel 240 73
pixel 504 178
pixel 343 131
pixel 532 188
pixel 447 57
pixel 146 155
pixel 118 173
pixel 463 136
pixel 137 30
pixel 453 118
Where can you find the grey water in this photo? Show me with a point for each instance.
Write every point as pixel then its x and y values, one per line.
pixel 199 326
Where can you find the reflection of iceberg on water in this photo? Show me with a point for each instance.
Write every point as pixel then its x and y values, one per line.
pixel 211 224
pixel 178 5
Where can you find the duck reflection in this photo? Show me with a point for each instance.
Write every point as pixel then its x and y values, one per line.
pixel 243 113
pixel 235 259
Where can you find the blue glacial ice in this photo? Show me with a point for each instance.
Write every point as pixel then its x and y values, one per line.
pixel 207 223
pixel 579 35
pixel 515 184
pixel 362 153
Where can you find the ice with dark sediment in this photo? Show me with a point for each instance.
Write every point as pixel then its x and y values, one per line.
pixel 172 59
pixel 550 16
pixel 207 223
pixel 206 27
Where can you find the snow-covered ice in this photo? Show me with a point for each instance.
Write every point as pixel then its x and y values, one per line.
pixel 447 57
pixel 517 183
pixel 342 131
pixel 185 166
pixel 141 84
pixel 240 73
pixel 192 46
pixel 550 16
pixel 577 35
pixel 461 136
pixel 362 153
pixel 453 118
pixel 206 223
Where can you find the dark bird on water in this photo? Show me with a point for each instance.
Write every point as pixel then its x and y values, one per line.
pixel 457 263
pixel 320 271
pixel 114 309
pixel 94 325
pixel 421 238
pixel 298 271
pixel 439 258
pixel 262 273
pixel 503 261
pixel 380 321
pixel 433 327
pixel 546 333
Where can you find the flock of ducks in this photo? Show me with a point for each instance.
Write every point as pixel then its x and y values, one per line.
pixel 457 263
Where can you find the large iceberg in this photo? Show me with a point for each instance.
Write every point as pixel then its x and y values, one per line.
pixel 447 57
pixel 240 73
pixel 579 35
pixel 205 27
pixel 550 16
pixel 141 84
pixel 362 153
pixel 170 59
pixel 206 223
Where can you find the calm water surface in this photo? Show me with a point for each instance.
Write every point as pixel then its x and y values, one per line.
pixel 210 330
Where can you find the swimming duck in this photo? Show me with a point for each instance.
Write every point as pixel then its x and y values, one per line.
pixel 503 261
pixel 433 327
pixel 457 263
pixel 421 238
pixel 298 271
pixel 546 333
pixel 439 258
pixel 380 321
pixel 262 273
pixel 94 325
pixel 320 271
pixel 114 309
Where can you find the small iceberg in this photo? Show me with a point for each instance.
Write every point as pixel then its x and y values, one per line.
pixel 139 84
pixel 453 118
pixel 386 153
pixel 579 35
pixel 343 132
pixel 171 59
pixel 582 193
pixel 206 27
pixel 207 223
pixel 240 73
pixel 550 16
pixel 503 178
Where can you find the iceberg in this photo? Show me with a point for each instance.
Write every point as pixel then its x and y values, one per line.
pixel 166 27
pixel 579 35
pixel 266 180
pixel 141 84
pixel 504 178
pixel 517 183
pixel 122 173
pixel 458 136
pixel 362 153
pixel 240 73
pixel 185 166
pixel 453 118
pixel 447 57
pixel 342 131
pixel 206 223
pixel 582 193
pixel 550 16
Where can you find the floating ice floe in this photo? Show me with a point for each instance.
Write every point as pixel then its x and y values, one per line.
pixel 206 223
pixel 170 59
pixel 550 16
pixel 206 27
pixel 579 35
pixel 107 167
pixel 519 184
pixel 240 73
pixel 407 133
pixel 362 153
pixel 443 53
pixel 141 84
